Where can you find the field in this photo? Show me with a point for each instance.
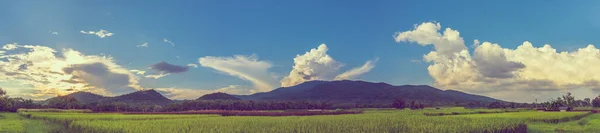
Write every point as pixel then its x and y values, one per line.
pixel 371 120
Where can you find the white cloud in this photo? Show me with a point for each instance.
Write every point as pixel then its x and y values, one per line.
pixel 143 45
pixel 101 33
pixel 139 72
pixel 167 41
pixel 313 65
pixel 10 46
pixel 54 33
pixel 356 72
pixel 244 67
pixel 41 68
pixel 501 71
pixel 192 65
pixel 427 33
pixel 156 76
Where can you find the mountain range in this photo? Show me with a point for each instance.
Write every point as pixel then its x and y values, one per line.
pixel 144 97
pixel 347 91
pixel 336 92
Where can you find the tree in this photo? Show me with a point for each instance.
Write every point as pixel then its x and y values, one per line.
pixel 569 100
pixel 596 102
pixel 587 101
pixel 2 92
pixel 4 102
pixel 399 103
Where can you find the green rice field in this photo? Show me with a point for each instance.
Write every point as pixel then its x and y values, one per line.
pixel 372 120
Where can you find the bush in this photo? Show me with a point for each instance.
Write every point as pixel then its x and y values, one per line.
pixel 582 122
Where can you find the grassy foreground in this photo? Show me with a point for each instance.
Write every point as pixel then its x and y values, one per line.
pixel 373 120
pixel 14 123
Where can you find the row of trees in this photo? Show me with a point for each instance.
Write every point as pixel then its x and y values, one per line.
pixel 569 102
pixel 399 103
pixel 12 104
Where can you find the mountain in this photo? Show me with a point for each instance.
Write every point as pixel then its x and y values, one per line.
pixel 218 96
pixel 144 97
pixel 82 97
pixel 346 91
pixel 86 97
pixel 140 97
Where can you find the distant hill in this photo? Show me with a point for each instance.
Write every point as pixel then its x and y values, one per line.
pixel 140 97
pixel 346 91
pixel 86 97
pixel 82 97
pixel 145 97
pixel 218 96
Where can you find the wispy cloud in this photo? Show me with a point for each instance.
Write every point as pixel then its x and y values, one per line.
pixel 357 72
pixel 167 41
pixel 244 67
pixel 192 65
pixel 101 33
pixel 143 45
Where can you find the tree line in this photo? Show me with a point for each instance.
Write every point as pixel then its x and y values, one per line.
pixel 12 104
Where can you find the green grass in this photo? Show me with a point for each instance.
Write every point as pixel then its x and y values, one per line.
pixel 589 124
pixel 14 123
pixel 373 120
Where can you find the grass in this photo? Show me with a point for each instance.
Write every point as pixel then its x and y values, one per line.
pixel 588 124
pixel 372 120
pixel 259 113
pixel 14 123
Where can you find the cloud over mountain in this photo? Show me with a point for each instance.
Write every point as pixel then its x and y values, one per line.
pixel 493 69
pixel 316 64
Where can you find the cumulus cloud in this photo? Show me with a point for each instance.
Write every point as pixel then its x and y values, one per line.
pixel 49 72
pixel 491 61
pixel 182 93
pixel 315 64
pixel 143 45
pixel 54 33
pixel 167 41
pixel 446 43
pixel 496 70
pixel 244 67
pixel 356 72
pixel 101 33
pixel 10 46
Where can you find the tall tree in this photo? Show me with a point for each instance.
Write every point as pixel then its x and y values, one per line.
pixel 399 103
pixel 4 102
pixel 596 102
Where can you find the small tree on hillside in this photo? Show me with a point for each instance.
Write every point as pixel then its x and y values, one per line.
pixel 399 103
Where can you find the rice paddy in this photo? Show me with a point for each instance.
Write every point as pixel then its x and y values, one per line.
pixel 372 120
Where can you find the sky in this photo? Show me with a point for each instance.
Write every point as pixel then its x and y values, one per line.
pixel 510 50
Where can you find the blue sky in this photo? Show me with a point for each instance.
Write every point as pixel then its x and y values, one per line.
pixel 277 31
